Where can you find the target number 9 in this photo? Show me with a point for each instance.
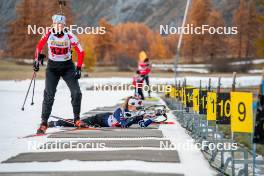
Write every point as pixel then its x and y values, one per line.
pixel 242 111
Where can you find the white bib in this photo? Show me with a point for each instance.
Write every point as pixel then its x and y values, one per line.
pixel 59 48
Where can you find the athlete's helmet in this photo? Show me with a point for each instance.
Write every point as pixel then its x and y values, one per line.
pixel 59 19
pixel 135 102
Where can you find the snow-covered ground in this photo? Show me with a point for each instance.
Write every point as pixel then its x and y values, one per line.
pixel 205 68
pixel 226 82
pixel 16 123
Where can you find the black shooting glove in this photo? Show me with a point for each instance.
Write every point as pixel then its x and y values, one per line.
pixel 36 66
pixel 78 72
pixel 39 61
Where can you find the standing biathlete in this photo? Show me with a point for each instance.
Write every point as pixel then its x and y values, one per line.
pixel 144 69
pixel 60 64
pixel 138 80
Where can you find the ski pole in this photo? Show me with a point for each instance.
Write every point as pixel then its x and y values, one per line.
pixel 23 106
pixel 33 92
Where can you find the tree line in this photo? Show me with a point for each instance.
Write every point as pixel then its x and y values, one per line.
pixel 209 47
pixel 121 43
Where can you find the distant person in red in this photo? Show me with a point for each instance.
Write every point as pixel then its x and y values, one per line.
pixel 138 80
pixel 144 69
pixel 60 43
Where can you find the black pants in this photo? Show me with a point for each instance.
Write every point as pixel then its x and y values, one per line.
pixel 98 120
pixel 54 71
pixel 139 92
pixel 146 78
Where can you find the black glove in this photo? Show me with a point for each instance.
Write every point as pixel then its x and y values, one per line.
pixel 78 72
pixel 37 62
pixel 36 66
pixel 41 58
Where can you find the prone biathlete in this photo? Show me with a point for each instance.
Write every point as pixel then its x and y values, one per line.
pixel 116 119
